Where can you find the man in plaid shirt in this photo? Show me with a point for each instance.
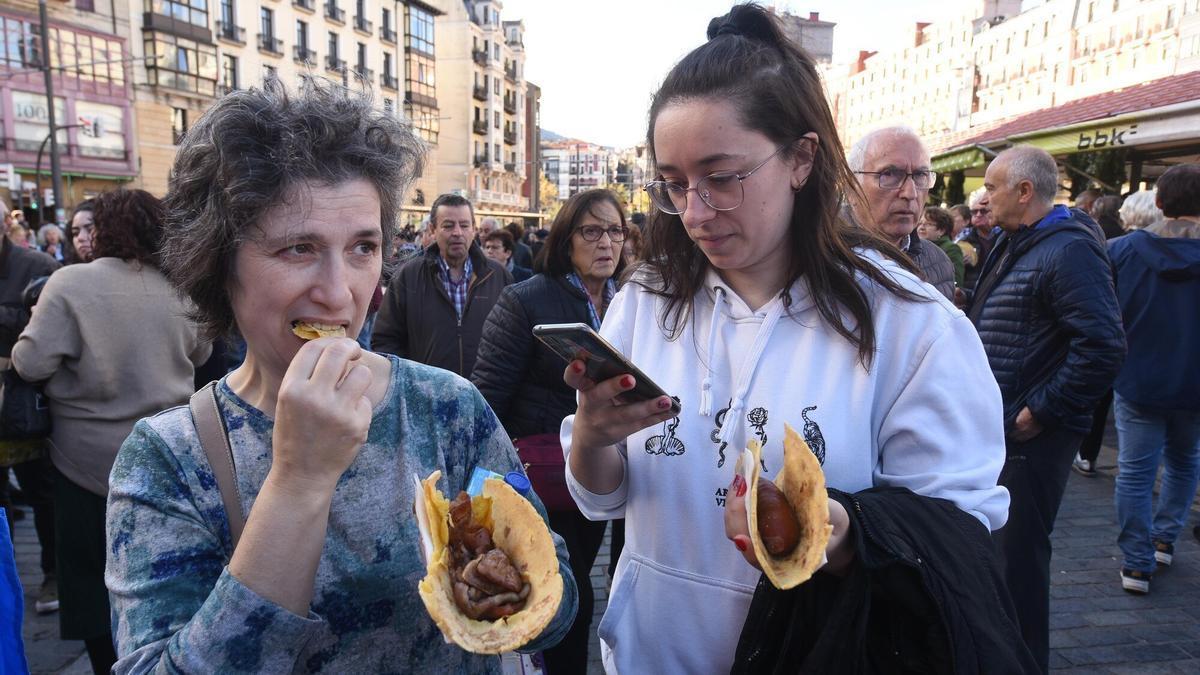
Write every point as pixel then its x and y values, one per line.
pixel 436 304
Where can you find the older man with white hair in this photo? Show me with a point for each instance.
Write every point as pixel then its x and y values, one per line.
pixel 1046 310
pixel 892 165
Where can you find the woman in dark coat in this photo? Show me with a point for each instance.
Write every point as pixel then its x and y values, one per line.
pixel 521 378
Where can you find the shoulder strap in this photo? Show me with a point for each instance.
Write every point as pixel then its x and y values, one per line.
pixel 215 442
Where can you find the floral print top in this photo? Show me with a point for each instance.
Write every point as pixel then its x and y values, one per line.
pixel 175 605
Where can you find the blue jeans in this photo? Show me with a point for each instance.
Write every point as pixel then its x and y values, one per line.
pixel 1148 436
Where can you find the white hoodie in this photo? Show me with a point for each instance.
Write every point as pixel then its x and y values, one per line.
pixel 927 416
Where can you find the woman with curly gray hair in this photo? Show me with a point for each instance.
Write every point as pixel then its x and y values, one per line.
pixel 280 208
pixel 1139 211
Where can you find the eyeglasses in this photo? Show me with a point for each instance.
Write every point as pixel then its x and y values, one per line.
pixel 594 232
pixel 722 191
pixel 890 179
pixel 980 212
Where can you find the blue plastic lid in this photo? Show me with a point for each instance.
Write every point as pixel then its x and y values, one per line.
pixel 518 482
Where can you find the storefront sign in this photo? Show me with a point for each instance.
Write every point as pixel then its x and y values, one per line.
pixel 31 120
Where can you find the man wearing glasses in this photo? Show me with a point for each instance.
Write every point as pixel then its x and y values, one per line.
pixel 892 166
pixel 435 305
pixel 980 238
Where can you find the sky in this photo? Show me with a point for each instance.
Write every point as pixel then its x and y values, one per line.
pixel 599 61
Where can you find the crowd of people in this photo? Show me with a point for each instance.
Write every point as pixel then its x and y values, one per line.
pixel 948 366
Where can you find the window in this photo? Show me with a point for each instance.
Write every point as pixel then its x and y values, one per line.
pixel 496 152
pixel 420 30
pixel 496 119
pixel 267 27
pixel 194 12
pixel 333 46
pixel 228 13
pixel 302 36
pixel 229 72
pixel 85 5
pixel 496 85
pixel 387 65
pixel 495 52
pixel 362 56
pixel 178 124
pixel 180 63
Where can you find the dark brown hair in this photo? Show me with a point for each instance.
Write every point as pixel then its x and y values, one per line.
pixel 940 218
pixel 1179 191
pixel 777 92
pixel 251 151
pixel 502 236
pixel 555 257
pixel 128 225
pixel 448 199
pixel 963 212
pixel 516 229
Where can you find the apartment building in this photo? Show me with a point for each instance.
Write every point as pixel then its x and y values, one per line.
pixel 573 165
pixel 990 61
pixel 89 54
pixel 483 151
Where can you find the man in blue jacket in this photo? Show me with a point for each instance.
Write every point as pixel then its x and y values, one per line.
pixel 1047 314
pixel 1157 394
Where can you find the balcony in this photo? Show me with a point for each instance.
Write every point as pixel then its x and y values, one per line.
pixel 363 26
pixel 304 55
pixel 480 93
pixel 364 72
pixel 480 161
pixel 510 167
pixel 231 33
pixel 309 6
pixel 480 127
pixel 335 14
pixel 510 74
pixel 510 137
pixel 270 45
pixel 335 64
pixel 388 81
pixel 480 56
pixel 510 105
pixel 387 35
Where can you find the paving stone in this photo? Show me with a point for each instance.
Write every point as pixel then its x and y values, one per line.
pixel 1121 654
pixel 1092 636
pixel 1164 668
pixel 1066 620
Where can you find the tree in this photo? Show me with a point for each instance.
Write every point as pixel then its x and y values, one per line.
pixel 548 193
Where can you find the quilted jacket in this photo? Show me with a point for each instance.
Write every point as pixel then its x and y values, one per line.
pixel 1046 310
pixel 521 379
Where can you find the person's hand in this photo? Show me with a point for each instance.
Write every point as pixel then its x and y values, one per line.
pixel 601 420
pixel 960 298
pixel 839 551
pixel 322 413
pixel 1026 426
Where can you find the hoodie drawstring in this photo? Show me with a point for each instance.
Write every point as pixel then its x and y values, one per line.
pixel 713 331
pixel 749 366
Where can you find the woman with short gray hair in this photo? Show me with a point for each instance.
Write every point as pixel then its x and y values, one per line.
pixel 1139 211
pixel 280 210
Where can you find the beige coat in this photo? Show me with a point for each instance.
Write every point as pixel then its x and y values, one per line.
pixel 111 342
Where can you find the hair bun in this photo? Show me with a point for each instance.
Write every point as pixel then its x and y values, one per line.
pixel 749 21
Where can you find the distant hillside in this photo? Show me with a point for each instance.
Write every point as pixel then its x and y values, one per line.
pixel 550 136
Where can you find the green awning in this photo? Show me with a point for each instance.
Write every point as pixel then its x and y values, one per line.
pixel 958 160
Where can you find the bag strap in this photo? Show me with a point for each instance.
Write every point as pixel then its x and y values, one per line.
pixel 215 441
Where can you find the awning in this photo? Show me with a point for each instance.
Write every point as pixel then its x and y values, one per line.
pixel 959 160
pixel 1118 132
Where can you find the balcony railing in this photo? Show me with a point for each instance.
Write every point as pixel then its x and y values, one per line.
pixel 510 106
pixel 480 56
pixel 387 35
pixel 510 137
pixel 335 64
pixel 510 167
pixel 388 81
pixel 481 160
pixel 481 127
pixel 231 33
pixel 364 72
pixel 335 13
pixel 307 5
pixel 481 93
pixel 363 26
pixel 270 44
pixel 510 74
pixel 303 54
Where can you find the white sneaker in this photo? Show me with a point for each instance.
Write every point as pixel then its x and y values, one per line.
pixel 1085 467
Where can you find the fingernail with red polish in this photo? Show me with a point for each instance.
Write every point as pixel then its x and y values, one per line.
pixel 664 404
pixel 739 485
pixel 741 545
pixel 627 381
pixel 576 367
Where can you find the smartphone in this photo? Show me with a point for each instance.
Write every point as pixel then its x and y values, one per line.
pixel 577 341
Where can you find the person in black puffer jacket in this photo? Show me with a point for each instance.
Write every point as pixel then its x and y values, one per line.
pixel 522 379
pixel 1046 310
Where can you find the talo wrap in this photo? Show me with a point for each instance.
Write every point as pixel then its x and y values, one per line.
pixel 516 529
pixel 803 483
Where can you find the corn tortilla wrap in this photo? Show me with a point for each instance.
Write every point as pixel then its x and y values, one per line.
pixel 803 483
pixel 307 331
pixel 516 529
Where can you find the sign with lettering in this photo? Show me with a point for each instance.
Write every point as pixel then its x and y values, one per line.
pixel 31 120
pixel 1122 133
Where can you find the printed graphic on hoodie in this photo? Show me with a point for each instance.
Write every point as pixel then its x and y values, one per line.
pixel 812 435
pixel 666 443
pixel 758 422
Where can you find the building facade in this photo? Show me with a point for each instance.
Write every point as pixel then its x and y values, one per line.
pixel 811 33
pixel 89 57
pixel 573 165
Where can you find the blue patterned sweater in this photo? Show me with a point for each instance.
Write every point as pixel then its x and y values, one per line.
pixel 175 606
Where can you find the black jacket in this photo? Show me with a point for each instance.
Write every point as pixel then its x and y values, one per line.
pixel 519 376
pixel 1046 310
pixel 417 320
pixel 925 594
pixel 18 266
pixel 982 248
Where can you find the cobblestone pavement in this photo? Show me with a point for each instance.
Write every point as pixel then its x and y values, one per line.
pixel 1095 626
